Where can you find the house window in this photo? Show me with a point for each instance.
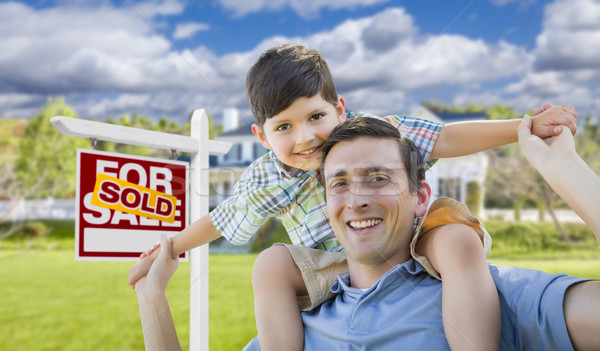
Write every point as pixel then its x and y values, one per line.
pixel 226 188
pixel 234 153
pixel 450 187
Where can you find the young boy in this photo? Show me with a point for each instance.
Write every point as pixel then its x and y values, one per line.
pixel 295 105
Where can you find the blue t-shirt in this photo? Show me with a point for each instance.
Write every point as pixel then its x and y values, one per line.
pixel 403 311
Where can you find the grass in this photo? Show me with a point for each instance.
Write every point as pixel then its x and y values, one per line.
pixel 51 302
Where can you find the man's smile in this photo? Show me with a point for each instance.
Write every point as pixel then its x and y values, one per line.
pixel 364 223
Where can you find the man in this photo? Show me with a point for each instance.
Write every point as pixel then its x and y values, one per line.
pixel 387 301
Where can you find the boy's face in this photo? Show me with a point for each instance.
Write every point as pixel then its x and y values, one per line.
pixel 297 133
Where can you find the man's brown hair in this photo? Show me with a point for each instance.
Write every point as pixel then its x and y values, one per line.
pixel 375 128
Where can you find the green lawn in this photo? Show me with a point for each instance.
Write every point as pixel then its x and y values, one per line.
pixel 51 302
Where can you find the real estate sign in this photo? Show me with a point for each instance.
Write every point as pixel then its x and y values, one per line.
pixel 125 202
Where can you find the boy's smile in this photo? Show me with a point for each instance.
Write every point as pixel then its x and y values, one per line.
pixel 297 133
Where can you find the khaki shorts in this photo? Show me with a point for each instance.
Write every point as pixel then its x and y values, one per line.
pixel 320 268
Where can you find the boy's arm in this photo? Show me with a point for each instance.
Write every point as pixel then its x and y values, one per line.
pixel 200 232
pixel 465 138
pixel 196 234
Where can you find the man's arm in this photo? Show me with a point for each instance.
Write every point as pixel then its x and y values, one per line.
pixel 157 322
pixel 465 138
pixel 558 162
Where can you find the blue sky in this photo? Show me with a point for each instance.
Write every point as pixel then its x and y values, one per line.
pixel 168 57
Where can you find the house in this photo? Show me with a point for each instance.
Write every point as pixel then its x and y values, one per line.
pixel 461 177
pixel 455 177
pixel 225 170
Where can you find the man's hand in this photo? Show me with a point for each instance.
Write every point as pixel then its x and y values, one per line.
pixel 548 119
pixel 540 152
pixel 161 270
pixel 141 268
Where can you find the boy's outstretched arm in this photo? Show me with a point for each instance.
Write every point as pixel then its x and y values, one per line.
pixel 465 138
pixel 196 234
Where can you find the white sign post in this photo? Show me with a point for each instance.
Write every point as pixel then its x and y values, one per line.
pixel 200 148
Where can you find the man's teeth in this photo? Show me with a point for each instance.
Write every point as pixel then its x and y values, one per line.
pixel 308 151
pixel 364 224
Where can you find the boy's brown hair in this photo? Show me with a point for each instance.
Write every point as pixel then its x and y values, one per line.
pixel 283 74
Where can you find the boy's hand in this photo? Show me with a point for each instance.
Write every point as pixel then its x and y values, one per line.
pixel 140 269
pixel 546 105
pixel 149 252
pixel 547 121
pixel 161 271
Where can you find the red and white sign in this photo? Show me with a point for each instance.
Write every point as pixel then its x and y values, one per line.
pixel 125 202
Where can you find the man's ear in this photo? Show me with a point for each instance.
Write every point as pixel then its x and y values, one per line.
pixel 260 134
pixel 340 109
pixel 423 197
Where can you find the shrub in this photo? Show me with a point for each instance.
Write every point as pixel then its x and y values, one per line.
pixel 35 228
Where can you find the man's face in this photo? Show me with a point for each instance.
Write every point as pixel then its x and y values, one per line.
pixel 297 133
pixel 370 206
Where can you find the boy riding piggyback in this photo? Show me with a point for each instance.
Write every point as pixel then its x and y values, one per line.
pixel 295 106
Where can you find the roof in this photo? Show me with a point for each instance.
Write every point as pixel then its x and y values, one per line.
pixel 241 133
pixel 460 117
pixel 425 113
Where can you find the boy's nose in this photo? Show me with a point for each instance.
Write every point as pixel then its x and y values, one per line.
pixel 305 135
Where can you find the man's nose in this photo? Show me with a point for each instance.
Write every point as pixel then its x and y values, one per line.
pixel 359 197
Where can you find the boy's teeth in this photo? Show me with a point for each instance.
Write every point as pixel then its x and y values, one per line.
pixel 308 151
pixel 364 224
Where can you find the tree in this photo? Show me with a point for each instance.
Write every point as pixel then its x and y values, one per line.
pixel 500 111
pixel 46 161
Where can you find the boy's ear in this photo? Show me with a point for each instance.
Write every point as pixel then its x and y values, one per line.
pixel 340 109
pixel 256 130
pixel 423 197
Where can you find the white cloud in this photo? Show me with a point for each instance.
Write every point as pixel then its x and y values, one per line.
pixel 187 30
pixel 502 2
pixel 108 50
pixel 109 61
pixel 124 102
pixel 565 60
pixel 151 8
pixel 520 3
pixel 570 38
pixel 414 63
pixel 114 59
pixel 240 8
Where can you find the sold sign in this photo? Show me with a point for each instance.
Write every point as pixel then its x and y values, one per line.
pixel 118 194
pixel 125 202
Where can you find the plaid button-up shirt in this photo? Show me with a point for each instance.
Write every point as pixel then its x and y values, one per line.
pixel 267 190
